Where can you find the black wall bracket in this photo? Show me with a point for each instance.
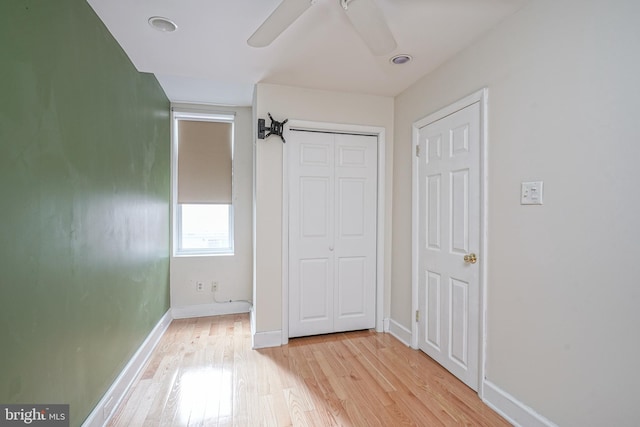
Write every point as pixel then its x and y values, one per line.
pixel 275 128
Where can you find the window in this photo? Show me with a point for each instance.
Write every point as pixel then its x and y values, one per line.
pixel 205 228
pixel 202 190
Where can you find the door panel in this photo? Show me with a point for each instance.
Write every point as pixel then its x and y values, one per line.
pixel 459 211
pixel 314 207
pixel 433 302
pixel 434 147
pixel 315 155
pixel 351 217
pixel 315 292
pixel 351 287
pixel 432 197
pixel 459 331
pixel 349 156
pixel 459 140
pixel 332 222
pixel 449 228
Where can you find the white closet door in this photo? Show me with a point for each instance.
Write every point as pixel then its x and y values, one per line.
pixel 311 226
pixel 332 232
pixel 355 232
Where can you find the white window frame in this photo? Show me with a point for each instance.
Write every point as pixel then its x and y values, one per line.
pixel 178 114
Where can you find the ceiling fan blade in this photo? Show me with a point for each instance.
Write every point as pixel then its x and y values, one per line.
pixel 370 24
pixel 279 20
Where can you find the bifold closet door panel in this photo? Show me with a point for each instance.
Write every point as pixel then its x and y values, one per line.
pixel 355 232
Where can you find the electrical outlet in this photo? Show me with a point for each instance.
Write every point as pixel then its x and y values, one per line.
pixel 200 286
pixel 214 287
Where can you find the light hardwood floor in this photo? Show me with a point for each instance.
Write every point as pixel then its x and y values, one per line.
pixel 204 373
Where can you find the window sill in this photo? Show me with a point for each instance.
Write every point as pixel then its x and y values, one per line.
pixel 202 254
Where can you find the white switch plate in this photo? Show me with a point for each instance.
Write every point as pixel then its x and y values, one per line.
pixel 531 193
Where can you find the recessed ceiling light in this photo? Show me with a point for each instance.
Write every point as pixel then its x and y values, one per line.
pixel 400 59
pixel 162 24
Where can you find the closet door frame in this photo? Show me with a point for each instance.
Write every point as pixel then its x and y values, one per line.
pixel 379 132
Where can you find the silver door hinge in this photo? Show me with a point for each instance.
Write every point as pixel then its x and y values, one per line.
pixel 417 151
pixel 417 315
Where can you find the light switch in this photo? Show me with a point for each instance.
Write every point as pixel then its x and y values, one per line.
pixel 531 193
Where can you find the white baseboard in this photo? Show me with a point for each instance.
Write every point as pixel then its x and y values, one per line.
pixel 213 309
pixel 266 339
pixel 397 330
pixel 514 411
pixel 111 399
pixel 385 324
pixel 252 320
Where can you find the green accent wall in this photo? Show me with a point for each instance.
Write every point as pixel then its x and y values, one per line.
pixel 84 205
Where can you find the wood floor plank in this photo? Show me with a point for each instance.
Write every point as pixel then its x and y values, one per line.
pixel 328 405
pixel 204 373
pixel 127 415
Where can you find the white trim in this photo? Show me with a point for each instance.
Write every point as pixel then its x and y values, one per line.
pixel 484 235
pixel 400 332
pixel 182 114
pixel 514 411
pixel 187 107
pixel 211 309
pixel 285 245
pixel 480 97
pixel 380 227
pixel 173 234
pixel 199 112
pixel 252 320
pixel 105 408
pixel 415 227
pixel 266 339
pixel 451 108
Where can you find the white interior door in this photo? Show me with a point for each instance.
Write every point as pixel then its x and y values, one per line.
pixel 332 232
pixel 448 241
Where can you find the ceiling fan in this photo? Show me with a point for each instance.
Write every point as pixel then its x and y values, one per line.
pixel 365 16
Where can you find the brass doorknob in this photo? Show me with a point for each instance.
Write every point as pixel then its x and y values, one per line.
pixel 471 258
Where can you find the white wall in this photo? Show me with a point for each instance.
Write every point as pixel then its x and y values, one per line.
pixel 564 278
pixel 312 105
pixel 233 273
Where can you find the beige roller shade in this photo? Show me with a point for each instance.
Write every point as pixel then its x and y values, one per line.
pixel 204 162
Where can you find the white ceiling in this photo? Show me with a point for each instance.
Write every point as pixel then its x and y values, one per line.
pixel 207 59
